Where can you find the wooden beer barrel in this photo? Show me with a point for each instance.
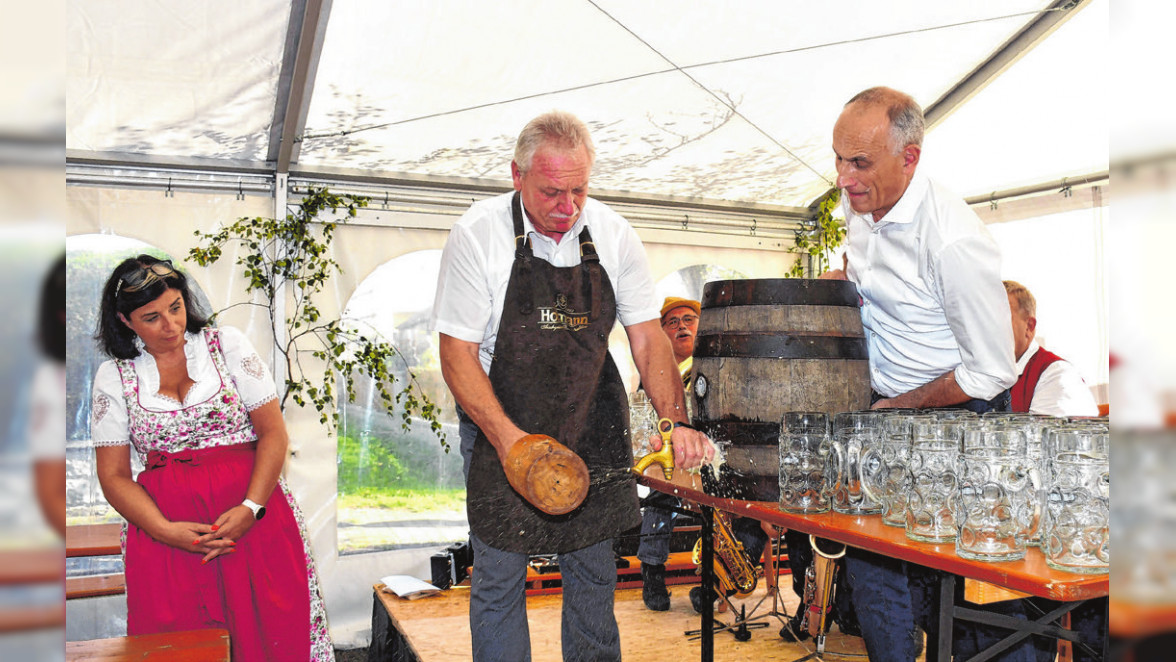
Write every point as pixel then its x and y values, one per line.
pixel 767 346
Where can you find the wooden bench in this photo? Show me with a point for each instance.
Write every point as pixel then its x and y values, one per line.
pixel 187 646
pixel 27 567
pixel 94 540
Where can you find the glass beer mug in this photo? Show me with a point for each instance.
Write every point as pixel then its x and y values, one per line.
pixel 997 509
pixel 1077 533
pixel 935 450
pixel 804 465
pixel 642 423
pixel 886 475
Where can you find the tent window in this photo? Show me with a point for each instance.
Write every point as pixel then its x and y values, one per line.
pixel 398 489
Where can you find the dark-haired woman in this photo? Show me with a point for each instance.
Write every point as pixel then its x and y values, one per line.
pixel 47 418
pixel 213 537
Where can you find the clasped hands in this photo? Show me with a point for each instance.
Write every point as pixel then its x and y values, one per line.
pixel 211 540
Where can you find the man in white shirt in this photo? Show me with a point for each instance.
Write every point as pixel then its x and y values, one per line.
pixel 925 266
pixel 1046 383
pixel 530 286
pixel 937 329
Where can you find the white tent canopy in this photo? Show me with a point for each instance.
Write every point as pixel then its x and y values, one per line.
pixel 723 101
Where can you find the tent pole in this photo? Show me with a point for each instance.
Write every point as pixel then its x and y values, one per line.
pixel 277 360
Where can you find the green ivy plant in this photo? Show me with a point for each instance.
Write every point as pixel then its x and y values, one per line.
pixel 295 251
pixel 818 237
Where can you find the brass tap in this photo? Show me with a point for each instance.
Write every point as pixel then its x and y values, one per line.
pixel 664 457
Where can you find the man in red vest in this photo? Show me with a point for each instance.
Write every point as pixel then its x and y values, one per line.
pixel 1046 383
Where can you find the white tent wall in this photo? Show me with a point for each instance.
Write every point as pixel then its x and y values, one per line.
pixel 360 247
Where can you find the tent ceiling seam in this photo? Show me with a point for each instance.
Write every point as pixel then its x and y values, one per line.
pixel 285 78
pixel 1006 55
pixel 723 102
pixel 312 33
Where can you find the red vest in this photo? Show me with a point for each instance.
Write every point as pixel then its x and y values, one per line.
pixel 1023 390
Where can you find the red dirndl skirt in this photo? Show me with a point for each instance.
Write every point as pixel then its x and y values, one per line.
pixel 260 593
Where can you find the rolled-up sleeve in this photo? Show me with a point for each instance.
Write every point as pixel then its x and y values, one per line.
pixel 464 302
pixel 636 290
pixel 977 309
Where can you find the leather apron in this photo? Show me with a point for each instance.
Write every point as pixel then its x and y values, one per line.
pixel 553 374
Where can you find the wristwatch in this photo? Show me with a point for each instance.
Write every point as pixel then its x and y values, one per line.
pixel 257 508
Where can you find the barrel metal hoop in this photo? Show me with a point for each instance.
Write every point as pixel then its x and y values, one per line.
pixel 743 345
pixel 780 292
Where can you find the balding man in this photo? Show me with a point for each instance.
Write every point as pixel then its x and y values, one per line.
pixel 937 327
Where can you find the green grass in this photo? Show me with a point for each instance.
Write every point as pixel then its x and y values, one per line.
pixel 414 501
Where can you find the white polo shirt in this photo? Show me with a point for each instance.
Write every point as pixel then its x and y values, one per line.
pixel 477 260
pixel 933 302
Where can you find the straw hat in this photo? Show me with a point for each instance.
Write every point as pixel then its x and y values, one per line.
pixel 677 302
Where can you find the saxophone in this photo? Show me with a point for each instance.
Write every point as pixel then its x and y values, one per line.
pixel 733 567
pixel 818 591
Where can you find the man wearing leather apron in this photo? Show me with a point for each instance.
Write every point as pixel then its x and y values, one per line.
pixel 531 284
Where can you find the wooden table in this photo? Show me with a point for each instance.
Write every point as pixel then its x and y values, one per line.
pixel 1137 621
pixel 189 646
pixel 31 566
pixel 1030 575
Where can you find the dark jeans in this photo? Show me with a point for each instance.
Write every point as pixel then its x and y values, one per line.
pixel 498 605
pixel 657 523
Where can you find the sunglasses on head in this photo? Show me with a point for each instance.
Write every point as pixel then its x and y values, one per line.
pixel 144 276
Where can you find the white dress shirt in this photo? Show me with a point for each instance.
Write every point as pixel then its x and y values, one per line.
pixel 1060 390
pixel 933 302
pixel 477 260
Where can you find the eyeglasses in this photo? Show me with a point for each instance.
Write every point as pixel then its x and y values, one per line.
pixel 685 320
pixel 144 276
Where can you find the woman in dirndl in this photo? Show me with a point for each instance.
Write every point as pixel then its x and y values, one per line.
pixel 213 538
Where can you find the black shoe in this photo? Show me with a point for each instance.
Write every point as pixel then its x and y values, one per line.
pixel 696 599
pixel 849 627
pixel 653 587
pixel 792 630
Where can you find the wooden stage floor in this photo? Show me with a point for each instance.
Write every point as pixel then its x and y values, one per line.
pixel 437 629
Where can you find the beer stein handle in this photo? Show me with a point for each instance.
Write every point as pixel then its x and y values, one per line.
pixel 872 480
